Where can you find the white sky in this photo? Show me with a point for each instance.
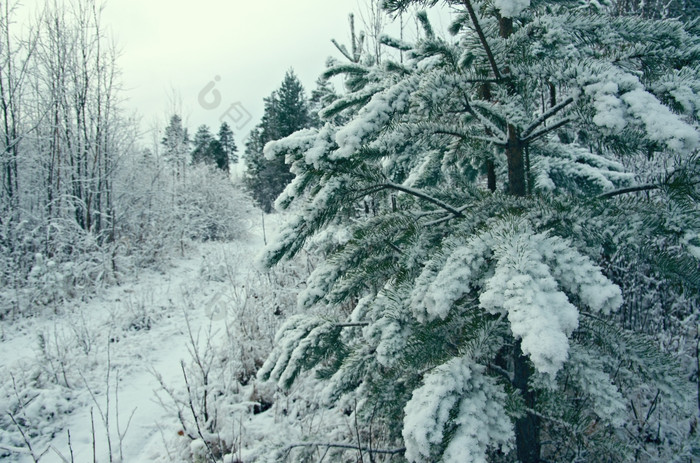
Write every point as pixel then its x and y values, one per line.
pixel 172 49
pixel 180 46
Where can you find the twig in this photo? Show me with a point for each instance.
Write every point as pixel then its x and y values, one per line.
pixel 121 434
pixel 60 455
pixel 445 219
pixel 194 413
pixel 92 426
pixel 26 439
pixel 357 434
pixel 351 325
pixel 165 442
pixel 13 449
pixel 70 448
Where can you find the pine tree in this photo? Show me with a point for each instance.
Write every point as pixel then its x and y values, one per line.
pixel 210 150
pixel 202 143
pixel 522 178
pixel 286 111
pixel 176 142
pixel 228 145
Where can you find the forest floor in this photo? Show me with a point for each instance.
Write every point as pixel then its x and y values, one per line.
pixel 94 371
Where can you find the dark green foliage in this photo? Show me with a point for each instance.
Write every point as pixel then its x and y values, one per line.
pixel 228 145
pixel 212 151
pixel 565 291
pixel 286 111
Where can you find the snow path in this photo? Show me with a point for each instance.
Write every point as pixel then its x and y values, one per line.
pixel 136 329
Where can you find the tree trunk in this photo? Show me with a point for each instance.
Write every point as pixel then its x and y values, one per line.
pixel 527 428
pixel 491 176
pixel 516 163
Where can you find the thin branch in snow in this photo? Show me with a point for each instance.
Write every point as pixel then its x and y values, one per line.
pixel 445 219
pixel 26 439
pixel 194 412
pixel 60 455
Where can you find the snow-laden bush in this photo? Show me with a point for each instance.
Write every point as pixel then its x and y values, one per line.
pixel 163 210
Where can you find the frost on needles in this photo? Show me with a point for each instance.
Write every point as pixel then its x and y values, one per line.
pixel 489 208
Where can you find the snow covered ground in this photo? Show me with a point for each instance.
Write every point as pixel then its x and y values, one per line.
pixel 102 363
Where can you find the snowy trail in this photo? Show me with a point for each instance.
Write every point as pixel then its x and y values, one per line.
pixel 161 349
pixel 139 328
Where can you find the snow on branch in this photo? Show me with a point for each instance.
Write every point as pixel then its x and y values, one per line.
pixel 620 100
pixel 456 397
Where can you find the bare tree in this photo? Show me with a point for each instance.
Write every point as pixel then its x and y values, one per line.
pixel 77 82
pixel 16 54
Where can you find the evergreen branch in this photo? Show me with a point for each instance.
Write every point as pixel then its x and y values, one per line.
pixel 342 50
pixel 486 121
pixel 394 247
pixel 560 422
pixel 495 141
pixel 346 446
pixel 545 131
pixel 454 133
pixel 484 81
pixel 552 111
pixel 395 43
pixel 420 194
pixel 501 371
pixel 482 38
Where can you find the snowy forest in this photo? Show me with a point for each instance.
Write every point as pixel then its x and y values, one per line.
pixel 476 244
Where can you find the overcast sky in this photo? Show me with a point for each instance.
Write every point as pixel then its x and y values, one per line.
pixel 174 49
pixel 214 60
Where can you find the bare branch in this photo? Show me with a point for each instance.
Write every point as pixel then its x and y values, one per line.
pixel 346 446
pixel 194 412
pixel 26 439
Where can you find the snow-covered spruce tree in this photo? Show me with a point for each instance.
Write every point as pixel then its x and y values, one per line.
pixel 474 314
